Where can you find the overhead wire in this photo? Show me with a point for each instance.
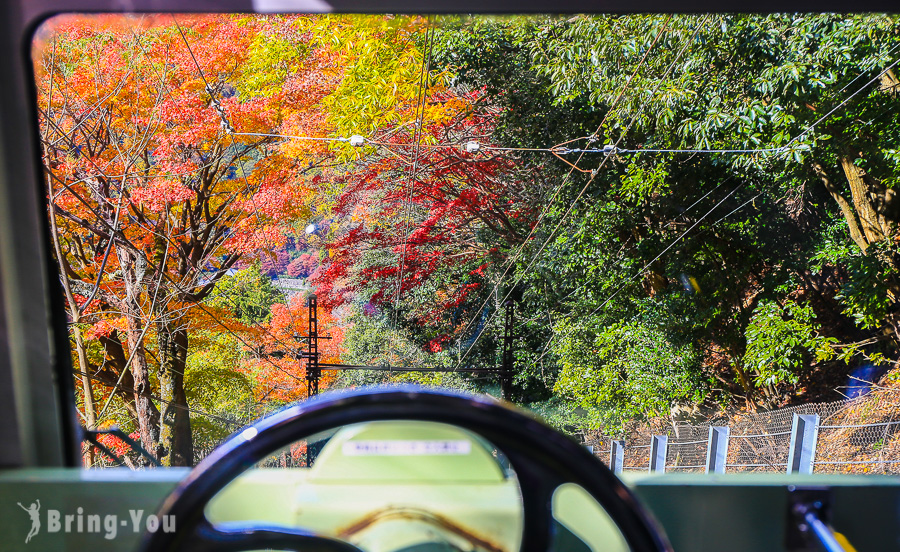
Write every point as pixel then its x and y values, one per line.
pixel 560 149
pixel 134 350
pixel 672 244
pixel 546 347
pixel 218 321
pixel 122 388
pixel 227 125
pixel 418 144
pixel 860 75
pixel 164 274
pixel 672 222
pixel 292 137
pixel 207 83
pixel 782 148
pixel 547 205
pixel 842 103
pixel 420 121
pixel 178 285
pixel 114 229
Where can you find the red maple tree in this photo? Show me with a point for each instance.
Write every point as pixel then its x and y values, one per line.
pixel 433 217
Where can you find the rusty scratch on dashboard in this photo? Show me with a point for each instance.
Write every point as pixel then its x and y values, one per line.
pixel 418 515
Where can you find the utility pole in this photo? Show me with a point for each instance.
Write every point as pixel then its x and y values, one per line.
pixel 313 370
pixel 312 360
pixel 314 367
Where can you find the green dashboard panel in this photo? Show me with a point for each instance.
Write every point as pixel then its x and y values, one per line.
pixel 121 499
pixel 739 512
pixel 735 512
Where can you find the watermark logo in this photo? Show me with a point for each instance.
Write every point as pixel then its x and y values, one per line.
pixel 34 512
pixel 107 525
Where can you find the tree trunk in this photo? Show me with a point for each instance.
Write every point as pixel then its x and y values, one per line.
pixel 889 83
pixel 875 210
pixel 846 209
pixel 147 414
pixel 873 224
pixel 134 268
pixel 176 441
pixel 121 383
pixel 90 411
pixel 743 379
pixel 872 217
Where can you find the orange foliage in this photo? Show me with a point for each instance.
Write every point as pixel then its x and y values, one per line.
pixel 154 133
pixel 283 377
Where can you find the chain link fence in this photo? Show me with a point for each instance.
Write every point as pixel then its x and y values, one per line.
pixel 851 436
pixel 686 456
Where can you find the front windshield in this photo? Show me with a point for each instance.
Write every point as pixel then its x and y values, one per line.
pixel 636 226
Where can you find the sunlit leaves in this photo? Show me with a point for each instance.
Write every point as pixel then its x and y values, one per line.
pixel 871 290
pixel 624 371
pixel 383 60
pixel 782 340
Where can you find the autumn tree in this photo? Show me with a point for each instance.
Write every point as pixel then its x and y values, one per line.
pixel 430 220
pixel 159 182
pixel 279 370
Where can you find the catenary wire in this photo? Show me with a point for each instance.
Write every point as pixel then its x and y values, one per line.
pixel 420 120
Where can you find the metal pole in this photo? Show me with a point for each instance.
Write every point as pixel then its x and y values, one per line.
pixel 804 433
pixel 717 449
pixel 312 362
pixel 617 456
pixel 313 372
pixel 658 447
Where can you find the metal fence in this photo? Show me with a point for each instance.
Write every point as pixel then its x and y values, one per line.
pixel 853 436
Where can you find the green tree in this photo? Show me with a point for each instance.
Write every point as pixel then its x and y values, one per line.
pixel 782 340
pixel 624 371
pixel 248 294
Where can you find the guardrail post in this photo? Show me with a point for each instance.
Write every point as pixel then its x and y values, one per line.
pixel 717 449
pixel 804 433
pixel 617 456
pixel 658 446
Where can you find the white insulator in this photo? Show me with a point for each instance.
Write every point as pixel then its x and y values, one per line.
pixel 356 140
pixel 609 149
pixel 473 147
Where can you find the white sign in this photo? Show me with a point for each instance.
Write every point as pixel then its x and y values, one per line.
pixel 406 448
